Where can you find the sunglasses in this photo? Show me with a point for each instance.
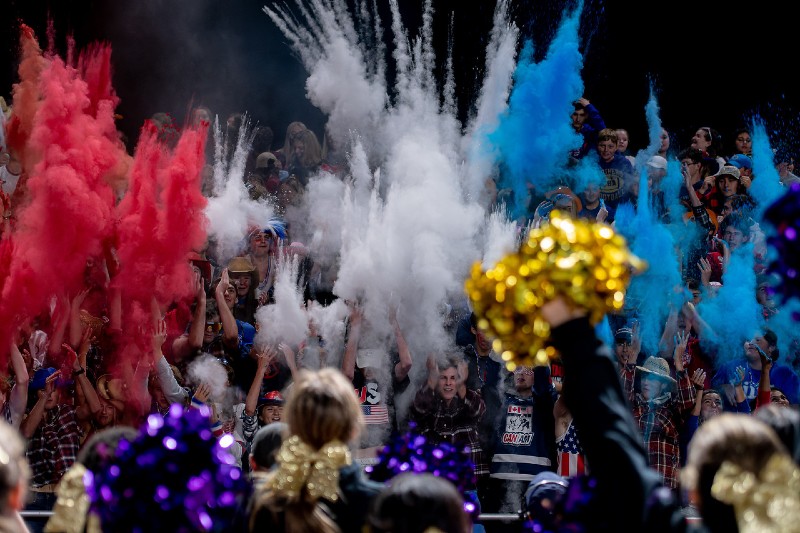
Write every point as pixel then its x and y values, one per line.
pixel 213 327
pixel 261 236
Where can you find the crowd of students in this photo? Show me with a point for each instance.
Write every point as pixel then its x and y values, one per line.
pixel 64 383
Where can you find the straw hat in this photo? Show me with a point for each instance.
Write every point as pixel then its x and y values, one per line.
pixel 112 390
pixel 240 265
pixel 656 367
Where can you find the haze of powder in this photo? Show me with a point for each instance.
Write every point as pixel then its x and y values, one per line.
pixel 414 234
pixel 286 319
pixel 231 211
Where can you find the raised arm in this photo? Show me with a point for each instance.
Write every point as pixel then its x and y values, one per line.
pixel 185 345
pixel 685 397
pixel 698 379
pixel 60 322
pixel 251 402
pixel 172 390
pixel 19 394
pixel 230 331
pixel 28 426
pixel 351 349
pixel 291 358
pixel 594 396
pixel 764 397
pixel 403 367
pixel 79 375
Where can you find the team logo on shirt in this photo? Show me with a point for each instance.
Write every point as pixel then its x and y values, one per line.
pixel 612 189
pixel 519 425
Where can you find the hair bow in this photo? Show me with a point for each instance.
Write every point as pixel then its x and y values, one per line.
pixel 317 470
pixel 769 502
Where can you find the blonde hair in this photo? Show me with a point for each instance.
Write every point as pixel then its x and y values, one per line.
pixel 740 439
pixel 321 407
pixel 312 156
pixel 287 141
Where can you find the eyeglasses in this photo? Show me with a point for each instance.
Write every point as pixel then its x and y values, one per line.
pixel 525 371
pixel 213 327
pixel 688 163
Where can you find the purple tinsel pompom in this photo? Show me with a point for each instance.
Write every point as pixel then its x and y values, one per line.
pixel 784 216
pixel 411 452
pixel 169 479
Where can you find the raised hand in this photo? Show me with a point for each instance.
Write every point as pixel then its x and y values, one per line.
pixel 76 362
pixel 87 337
pixel 202 393
pixel 699 378
pixel 77 302
pixel 433 371
pixel 705 271
pixel 49 385
pixel 288 353
pixel 681 341
pixel 462 374
pixel 738 376
pixel 224 283
pixel 159 335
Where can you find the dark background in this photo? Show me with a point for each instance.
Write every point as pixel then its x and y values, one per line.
pixel 710 65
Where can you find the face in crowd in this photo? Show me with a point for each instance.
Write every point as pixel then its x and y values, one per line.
pixel 744 143
pixel 242 282
pixel 653 387
pixel 734 237
pixel 523 378
pixel 607 149
pixel 711 406
pixel 270 414
pixel 447 383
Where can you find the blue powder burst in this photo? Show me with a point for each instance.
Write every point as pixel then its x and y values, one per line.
pixel 535 135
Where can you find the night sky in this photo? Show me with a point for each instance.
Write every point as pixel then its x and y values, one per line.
pixel 710 65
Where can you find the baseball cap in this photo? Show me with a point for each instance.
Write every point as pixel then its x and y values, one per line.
pixel 658 162
pixel 729 170
pixel 271 398
pixel 40 378
pixel 741 161
pixel 623 335
pixel 263 160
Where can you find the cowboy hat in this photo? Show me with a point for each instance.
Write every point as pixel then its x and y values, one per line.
pixel 112 390
pixel 240 265
pixel 203 264
pixel 656 367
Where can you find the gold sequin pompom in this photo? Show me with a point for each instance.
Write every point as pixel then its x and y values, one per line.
pixel 585 262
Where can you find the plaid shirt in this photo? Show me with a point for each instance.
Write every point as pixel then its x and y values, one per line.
pixel 659 422
pixel 456 423
pixel 52 449
pixel 713 200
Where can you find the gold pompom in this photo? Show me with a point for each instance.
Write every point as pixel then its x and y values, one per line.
pixel 585 262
